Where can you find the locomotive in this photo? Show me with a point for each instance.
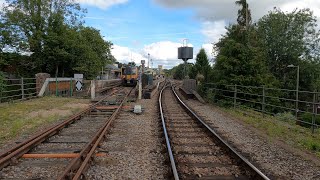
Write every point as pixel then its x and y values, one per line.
pixel 129 75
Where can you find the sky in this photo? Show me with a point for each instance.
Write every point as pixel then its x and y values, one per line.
pixel 158 27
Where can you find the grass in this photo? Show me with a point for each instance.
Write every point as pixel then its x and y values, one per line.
pixel 26 117
pixel 284 130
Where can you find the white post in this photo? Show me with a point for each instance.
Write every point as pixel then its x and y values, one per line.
pixel 140 90
pixel 93 90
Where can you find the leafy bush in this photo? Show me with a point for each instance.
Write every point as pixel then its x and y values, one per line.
pixel 286 116
pixel 307 117
pixel 1 82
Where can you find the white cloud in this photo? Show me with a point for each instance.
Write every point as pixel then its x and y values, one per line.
pixel 213 10
pixel 208 49
pixel 125 54
pixel 216 14
pixel 162 53
pixel 213 30
pixel 102 4
pixel 314 5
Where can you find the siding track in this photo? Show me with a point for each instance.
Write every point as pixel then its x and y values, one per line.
pixel 65 150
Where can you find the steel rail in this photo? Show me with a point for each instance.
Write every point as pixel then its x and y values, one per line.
pixel 255 169
pixel 78 165
pixel 18 150
pixel 168 144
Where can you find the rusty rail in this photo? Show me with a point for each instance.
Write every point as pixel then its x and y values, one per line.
pixel 17 151
pixel 78 165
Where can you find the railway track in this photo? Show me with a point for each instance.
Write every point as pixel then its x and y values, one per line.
pixel 195 150
pixel 65 150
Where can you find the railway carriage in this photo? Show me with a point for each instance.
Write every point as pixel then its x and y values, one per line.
pixel 129 75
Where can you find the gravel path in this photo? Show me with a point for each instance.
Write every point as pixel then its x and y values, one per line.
pixel 275 160
pixel 133 146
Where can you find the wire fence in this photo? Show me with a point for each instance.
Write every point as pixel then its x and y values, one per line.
pixel 18 89
pixel 303 104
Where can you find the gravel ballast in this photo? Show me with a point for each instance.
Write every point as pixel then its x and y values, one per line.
pixel 276 161
pixel 133 146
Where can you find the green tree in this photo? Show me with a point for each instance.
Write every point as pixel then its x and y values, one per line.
pixel 290 38
pixel 92 52
pixel 177 72
pixel 59 45
pixel 202 64
pixel 238 63
pixel 244 14
pixel 25 24
pixel 2 85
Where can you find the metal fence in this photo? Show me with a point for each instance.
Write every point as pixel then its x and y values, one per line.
pixel 66 87
pixel 303 104
pixel 18 89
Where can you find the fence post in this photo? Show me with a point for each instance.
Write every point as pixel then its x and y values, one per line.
pixel 263 101
pixel 313 111
pixel 57 93
pixel 235 96
pixel 71 87
pixel 22 88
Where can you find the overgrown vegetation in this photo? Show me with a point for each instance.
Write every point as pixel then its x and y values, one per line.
pixel 281 127
pixel 25 117
pixel 50 36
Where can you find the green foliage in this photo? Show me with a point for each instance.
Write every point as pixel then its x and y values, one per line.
pixel 286 116
pixel 52 30
pixel 289 38
pixel 2 85
pixel 307 117
pixel 288 133
pixel 26 23
pixel 244 14
pixel 177 72
pixel 240 63
pixel 202 65
pixel 93 52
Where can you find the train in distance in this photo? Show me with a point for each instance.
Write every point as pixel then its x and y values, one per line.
pixel 129 75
